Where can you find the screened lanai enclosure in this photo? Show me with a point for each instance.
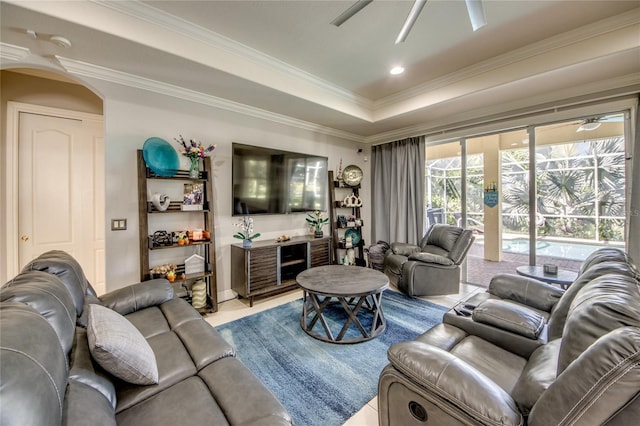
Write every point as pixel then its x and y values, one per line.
pixel 578 193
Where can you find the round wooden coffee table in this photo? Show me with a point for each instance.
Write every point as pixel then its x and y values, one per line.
pixel 354 289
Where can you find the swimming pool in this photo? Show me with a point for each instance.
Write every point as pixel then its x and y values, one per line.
pixel 562 249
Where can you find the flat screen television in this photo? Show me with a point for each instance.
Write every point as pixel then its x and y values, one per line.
pixel 272 181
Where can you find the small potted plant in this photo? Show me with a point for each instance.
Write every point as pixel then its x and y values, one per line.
pixel 316 221
pixel 247 235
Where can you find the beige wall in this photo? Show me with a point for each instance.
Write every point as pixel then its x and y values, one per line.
pixel 132 116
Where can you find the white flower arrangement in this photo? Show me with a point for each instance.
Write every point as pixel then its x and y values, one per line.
pixel 246 224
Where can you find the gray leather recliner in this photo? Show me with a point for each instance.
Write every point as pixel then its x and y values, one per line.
pixel 520 296
pixel 433 267
pixel 588 375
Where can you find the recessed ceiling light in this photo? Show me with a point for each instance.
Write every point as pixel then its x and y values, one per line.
pixel 397 70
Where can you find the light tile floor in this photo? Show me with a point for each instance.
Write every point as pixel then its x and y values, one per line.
pixel 234 309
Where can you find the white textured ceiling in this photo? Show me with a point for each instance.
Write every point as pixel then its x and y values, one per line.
pixel 284 58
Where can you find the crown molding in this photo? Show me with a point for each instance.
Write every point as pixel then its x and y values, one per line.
pixel 10 52
pixel 84 69
pixel 562 40
pixel 614 87
pixel 160 18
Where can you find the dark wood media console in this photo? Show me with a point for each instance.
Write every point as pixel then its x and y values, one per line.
pixel 269 267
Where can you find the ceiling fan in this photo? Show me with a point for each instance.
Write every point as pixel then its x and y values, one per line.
pixel 475 10
pixel 593 123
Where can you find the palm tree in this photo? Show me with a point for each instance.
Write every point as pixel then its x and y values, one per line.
pixel 572 179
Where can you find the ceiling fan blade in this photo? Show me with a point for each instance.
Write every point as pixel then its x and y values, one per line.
pixel 347 14
pixel 476 14
pixel 411 19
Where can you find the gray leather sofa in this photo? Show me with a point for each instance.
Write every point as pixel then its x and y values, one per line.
pixel 433 267
pixel 512 303
pixel 48 320
pixel 588 373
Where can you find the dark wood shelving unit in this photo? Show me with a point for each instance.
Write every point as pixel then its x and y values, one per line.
pixel 146 210
pixel 337 230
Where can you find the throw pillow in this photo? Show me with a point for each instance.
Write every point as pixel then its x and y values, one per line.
pixel 119 347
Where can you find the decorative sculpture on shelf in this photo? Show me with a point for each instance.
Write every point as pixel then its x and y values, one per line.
pixel 160 201
pixel 352 201
pixel 339 175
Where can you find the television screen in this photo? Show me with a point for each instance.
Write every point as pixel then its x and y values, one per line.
pixel 271 181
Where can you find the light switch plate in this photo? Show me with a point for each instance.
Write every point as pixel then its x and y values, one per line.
pixel 118 224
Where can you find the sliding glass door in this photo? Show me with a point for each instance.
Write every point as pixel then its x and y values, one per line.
pixel 580 181
pixel 454 190
pixel 548 194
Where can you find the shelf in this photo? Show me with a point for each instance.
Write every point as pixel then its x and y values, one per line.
pixel 342 245
pixel 191 277
pixel 188 277
pixel 176 207
pixel 180 175
pixel 336 184
pixel 342 205
pixel 195 243
pixel 293 262
pixel 339 226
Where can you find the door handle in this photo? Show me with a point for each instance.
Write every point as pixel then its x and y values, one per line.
pixel 24 238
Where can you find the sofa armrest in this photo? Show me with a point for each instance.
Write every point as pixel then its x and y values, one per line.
pixel 510 317
pixel 431 258
pixel 138 296
pixel 452 379
pixel 527 291
pixel 404 249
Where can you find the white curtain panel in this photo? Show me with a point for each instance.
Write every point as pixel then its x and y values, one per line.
pixel 398 190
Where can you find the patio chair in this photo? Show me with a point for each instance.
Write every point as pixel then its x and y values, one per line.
pixel 432 267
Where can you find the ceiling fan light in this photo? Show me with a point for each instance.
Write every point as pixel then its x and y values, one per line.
pixel 588 126
pixel 475 9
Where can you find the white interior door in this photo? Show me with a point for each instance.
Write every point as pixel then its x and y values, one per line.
pixel 61 191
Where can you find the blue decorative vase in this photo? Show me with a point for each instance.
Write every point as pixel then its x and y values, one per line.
pixel 246 243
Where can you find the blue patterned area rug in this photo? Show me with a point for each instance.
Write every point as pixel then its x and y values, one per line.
pixel 323 383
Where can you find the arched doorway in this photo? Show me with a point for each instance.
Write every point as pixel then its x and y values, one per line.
pixel 54 175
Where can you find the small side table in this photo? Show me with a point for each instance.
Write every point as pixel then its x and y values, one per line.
pixel 563 278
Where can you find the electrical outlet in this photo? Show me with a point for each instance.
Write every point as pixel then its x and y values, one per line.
pixel 118 224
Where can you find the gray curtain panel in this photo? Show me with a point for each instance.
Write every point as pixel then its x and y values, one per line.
pixel 398 190
pixel 633 218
